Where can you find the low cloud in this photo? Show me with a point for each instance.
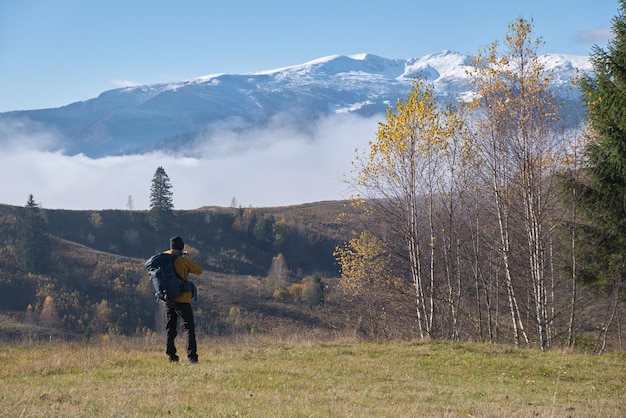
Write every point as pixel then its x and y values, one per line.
pixel 595 36
pixel 23 134
pixel 276 166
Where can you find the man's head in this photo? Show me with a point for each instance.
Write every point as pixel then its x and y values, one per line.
pixel 177 243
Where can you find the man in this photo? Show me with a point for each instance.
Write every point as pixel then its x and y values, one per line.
pixel 180 307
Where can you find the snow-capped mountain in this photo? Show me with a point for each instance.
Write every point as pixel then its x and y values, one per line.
pixel 158 116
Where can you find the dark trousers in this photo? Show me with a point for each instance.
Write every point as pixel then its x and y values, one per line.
pixel 173 311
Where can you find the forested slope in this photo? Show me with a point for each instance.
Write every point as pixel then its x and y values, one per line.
pixel 93 279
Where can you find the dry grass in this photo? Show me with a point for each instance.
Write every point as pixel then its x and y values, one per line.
pixel 270 378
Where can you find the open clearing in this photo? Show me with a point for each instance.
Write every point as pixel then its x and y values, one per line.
pixel 131 377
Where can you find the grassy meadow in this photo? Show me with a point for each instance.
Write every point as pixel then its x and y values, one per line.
pixel 299 378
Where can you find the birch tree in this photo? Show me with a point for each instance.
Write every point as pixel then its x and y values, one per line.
pixel 397 181
pixel 519 147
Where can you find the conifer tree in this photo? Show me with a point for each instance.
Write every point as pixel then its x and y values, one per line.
pixel 602 189
pixel 32 240
pixel 161 203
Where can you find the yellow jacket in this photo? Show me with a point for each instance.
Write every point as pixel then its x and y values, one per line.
pixel 183 266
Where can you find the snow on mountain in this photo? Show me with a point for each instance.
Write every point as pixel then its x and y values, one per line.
pixel 436 66
pixel 566 67
pixel 148 117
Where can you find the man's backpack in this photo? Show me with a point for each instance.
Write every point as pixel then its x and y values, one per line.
pixel 167 284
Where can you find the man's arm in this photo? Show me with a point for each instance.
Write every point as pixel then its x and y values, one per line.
pixel 191 266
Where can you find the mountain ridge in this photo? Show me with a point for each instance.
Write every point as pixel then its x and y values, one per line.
pixel 143 118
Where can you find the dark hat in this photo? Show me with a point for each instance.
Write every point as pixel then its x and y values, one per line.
pixel 177 243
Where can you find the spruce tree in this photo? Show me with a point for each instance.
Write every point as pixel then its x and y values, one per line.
pixel 602 189
pixel 32 239
pixel 161 203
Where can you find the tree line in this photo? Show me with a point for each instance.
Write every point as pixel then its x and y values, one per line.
pixel 488 220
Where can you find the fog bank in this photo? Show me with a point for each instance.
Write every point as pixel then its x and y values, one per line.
pixel 276 166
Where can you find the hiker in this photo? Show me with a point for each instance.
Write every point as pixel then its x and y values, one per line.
pixel 181 305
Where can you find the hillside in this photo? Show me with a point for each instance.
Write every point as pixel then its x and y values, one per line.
pixel 97 282
pixel 228 240
pixel 94 281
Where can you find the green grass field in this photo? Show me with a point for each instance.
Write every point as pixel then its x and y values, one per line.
pixel 344 378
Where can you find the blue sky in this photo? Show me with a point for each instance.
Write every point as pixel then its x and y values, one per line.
pixel 53 53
